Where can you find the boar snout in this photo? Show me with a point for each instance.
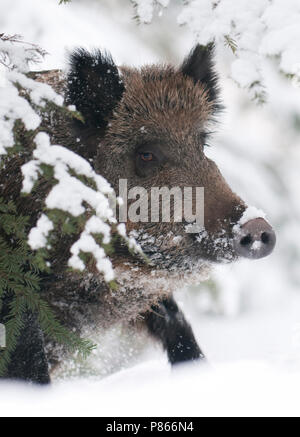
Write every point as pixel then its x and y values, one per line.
pixel 255 239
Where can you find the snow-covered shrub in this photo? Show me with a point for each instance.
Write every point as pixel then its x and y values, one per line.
pixel 22 104
pixel 77 202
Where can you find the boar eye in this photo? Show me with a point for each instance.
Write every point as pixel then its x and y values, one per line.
pixel 147 156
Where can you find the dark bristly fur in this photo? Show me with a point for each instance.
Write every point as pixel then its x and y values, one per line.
pixel 199 66
pixel 28 362
pixel 94 86
pixel 167 323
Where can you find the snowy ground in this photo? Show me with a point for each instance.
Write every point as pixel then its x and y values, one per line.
pixel 250 327
pixel 254 371
pixel 247 388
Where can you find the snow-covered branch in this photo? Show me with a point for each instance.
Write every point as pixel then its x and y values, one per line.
pixel 76 190
pixel 253 31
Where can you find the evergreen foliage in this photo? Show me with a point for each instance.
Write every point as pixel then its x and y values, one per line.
pixel 20 282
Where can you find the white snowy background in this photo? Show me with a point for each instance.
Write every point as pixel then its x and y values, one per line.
pixel 247 317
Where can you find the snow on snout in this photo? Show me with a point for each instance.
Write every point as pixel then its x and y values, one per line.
pixel 250 213
pixel 256 245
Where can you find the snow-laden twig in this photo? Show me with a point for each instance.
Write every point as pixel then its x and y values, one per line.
pixel 145 8
pixel 72 196
pixel 253 31
pixel 15 53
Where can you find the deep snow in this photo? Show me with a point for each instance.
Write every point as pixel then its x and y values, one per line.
pixel 150 389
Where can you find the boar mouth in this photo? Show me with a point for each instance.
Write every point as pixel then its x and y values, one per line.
pixel 186 252
pixel 216 248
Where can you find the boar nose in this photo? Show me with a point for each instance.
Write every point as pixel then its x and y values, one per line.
pixel 255 239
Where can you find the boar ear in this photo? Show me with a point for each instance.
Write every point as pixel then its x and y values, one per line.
pixel 94 86
pixel 199 66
